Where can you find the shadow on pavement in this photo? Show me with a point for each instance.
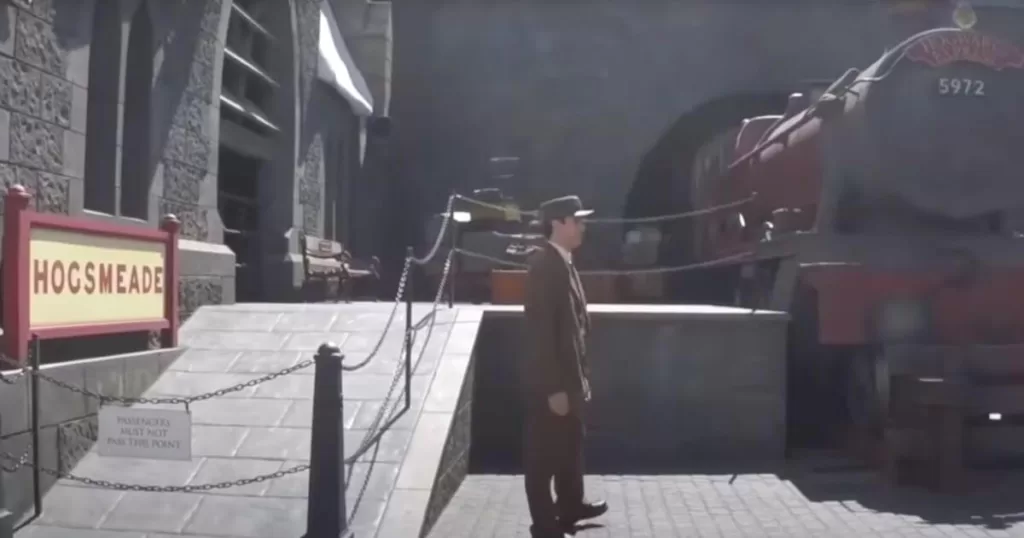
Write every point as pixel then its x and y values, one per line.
pixel 993 502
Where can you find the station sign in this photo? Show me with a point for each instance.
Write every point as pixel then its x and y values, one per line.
pixel 67 277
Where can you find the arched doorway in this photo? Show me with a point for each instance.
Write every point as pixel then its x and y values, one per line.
pixel 661 185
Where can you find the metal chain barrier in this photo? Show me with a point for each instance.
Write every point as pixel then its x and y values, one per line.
pixel 389 404
pixel 18 462
pixel 399 294
pixel 622 272
pixel 402 282
pixel 12 379
pixel 445 222
pixel 105 484
pixel 633 220
pixel 385 410
pixel 176 400
pixel 372 431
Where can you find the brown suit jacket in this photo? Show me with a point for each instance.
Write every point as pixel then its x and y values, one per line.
pixel 556 327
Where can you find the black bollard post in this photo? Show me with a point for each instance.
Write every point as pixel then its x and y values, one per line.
pixel 408 335
pixel 327 515
pixel 6 516
pixel 37 480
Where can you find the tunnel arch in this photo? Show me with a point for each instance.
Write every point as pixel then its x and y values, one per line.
pixel 661 184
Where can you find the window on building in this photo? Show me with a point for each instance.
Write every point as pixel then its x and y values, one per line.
pixel 135 156
pixel 102 143
pixel 247 90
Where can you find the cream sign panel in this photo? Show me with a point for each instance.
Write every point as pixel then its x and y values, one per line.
pixel 84 279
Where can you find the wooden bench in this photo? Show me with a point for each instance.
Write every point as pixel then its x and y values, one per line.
pixel 325 262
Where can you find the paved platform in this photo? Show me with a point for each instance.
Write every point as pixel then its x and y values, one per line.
pixel 265 429
pixel 855 505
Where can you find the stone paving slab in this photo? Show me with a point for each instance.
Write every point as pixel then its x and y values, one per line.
pixel 749 506
pixel 263 429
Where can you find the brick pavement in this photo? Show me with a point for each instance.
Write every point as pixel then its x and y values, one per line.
pixel 749 506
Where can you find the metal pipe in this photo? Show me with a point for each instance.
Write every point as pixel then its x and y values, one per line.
pixel 454 224
pixel 408 332
pixel 37 483
pixel 6 516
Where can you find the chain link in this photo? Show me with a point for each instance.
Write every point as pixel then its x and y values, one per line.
pixel 119 486
pixel 18 462
pixel 399 294
pixel 13 379
pixel 176 400
pixel 410 339
pixel 634 220
pixel 403 282
pixel 445 222
pixel 372 431
pixel 672 216
pixel 622 272
pixel 25 460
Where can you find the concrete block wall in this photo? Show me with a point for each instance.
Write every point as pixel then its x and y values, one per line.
pixel 667 394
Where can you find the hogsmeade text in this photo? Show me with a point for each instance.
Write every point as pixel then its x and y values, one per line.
pixel 57 277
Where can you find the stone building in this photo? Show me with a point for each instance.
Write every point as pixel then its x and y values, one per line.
pixel 247 119
pixel 251 120
pixel 609 100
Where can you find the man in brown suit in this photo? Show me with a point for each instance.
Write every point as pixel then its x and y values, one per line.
pixel 555 376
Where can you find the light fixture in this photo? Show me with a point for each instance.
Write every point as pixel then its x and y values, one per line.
pixel 462 216
pixel 964 15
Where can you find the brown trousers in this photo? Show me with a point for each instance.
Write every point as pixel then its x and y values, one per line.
pixel 553 449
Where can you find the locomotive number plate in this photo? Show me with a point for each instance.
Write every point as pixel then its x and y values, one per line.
pixel 961 86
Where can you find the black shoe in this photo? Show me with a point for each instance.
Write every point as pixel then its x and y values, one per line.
pixel 580 513
pixel 536 533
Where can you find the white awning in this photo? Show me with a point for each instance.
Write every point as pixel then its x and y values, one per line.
pixel 337 68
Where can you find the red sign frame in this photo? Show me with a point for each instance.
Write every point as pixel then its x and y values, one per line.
pixel 20 220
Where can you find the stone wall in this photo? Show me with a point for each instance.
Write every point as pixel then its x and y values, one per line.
pixel 186 118
pixel 42 105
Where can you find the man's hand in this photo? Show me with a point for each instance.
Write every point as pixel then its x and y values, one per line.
pixel 559 403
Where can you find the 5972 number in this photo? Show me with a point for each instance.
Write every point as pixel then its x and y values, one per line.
pixel 961 86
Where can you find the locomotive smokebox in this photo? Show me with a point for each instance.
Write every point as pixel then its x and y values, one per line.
pixel 935 125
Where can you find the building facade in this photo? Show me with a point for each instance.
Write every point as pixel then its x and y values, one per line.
pixel 244 118
pixel 609 100
pixel 250 120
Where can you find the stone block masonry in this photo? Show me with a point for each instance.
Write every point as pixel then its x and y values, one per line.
pixel 42 106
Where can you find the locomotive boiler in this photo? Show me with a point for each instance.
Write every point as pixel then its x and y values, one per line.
pixel 883 217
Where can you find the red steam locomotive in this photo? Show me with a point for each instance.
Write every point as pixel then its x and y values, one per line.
pixel 884 217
